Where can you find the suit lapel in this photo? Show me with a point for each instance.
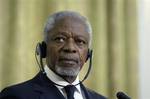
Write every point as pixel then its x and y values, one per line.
pixel 45 88
pixel 85 92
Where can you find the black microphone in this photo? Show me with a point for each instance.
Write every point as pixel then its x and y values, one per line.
pixel 121 95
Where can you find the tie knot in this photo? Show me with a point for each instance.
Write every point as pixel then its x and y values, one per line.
pixel 70 89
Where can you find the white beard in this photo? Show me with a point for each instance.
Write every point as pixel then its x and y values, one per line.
pixel 72 71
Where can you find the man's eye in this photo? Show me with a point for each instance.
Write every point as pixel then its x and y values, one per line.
pixel 59 39
pixel 81 42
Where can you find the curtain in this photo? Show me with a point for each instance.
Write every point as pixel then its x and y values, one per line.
pixel 115 43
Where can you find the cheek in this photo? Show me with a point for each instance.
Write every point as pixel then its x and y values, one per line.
pixel 51 56
pixel 83 56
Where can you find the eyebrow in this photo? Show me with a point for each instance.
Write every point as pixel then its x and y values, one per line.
pixel 64 33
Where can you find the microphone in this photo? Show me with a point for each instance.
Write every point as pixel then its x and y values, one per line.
pixel 121 95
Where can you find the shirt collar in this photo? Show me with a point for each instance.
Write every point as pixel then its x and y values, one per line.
pixel 59 80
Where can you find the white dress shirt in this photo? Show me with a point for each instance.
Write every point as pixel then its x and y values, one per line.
pixel 58 80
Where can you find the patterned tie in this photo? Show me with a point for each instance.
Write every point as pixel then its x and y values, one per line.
pixel 70 89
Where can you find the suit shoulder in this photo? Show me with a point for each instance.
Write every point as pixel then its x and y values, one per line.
pixel 23 85
pixel 16 91
pixel 96 95
pixel 19 86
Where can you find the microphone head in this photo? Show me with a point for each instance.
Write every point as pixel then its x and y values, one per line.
pixel 121 95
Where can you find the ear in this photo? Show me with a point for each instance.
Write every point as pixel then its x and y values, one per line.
pixel 89 54
pixel 41 49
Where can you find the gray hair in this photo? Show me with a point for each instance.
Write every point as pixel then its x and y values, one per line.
pixel 59 15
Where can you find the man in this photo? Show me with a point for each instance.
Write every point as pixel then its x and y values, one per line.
pixel 67 39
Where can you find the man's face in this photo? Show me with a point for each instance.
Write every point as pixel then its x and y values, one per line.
pixel 67 46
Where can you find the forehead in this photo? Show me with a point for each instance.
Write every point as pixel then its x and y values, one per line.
pixel 71 25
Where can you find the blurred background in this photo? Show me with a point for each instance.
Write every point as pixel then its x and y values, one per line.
pixel 120 42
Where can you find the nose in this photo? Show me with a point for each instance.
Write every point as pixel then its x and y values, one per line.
pixel 70 46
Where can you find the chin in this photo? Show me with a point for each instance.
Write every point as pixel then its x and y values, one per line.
pixel 67 71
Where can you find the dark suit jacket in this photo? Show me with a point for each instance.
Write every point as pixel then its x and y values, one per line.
pixel 40 87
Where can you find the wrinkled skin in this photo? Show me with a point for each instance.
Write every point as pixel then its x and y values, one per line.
pixel 67 47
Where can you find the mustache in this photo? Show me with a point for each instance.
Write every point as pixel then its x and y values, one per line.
pixel 70 57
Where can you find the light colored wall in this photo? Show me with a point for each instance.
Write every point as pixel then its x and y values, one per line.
pixel 144 49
